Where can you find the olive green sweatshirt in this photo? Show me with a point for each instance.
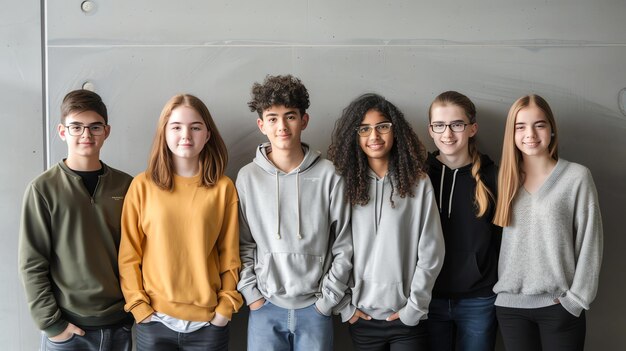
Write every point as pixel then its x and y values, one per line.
pixel 68 249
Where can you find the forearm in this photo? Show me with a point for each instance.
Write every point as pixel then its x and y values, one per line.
pixel 229 299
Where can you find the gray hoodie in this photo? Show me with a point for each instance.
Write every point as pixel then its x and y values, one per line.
pixel 295 237
pixel 398 253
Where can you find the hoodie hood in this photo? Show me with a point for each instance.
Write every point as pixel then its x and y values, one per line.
pixel 262 160
pixel 440 174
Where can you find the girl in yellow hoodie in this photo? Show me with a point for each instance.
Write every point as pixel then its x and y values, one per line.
pixel 179 252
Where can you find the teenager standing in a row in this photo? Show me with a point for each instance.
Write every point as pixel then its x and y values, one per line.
pixel 552 238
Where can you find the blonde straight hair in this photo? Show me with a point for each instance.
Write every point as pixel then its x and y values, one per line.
pixel 482 194
pixel 213 157
pixel 511 176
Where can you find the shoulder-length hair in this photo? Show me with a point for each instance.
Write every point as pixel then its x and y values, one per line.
pixel 213 157
pixel 406 158
pixel 483 197
pixel 511 175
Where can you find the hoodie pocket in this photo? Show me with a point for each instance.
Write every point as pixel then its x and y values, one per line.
pixel 292 274
pixel 459 273
pixel 379 296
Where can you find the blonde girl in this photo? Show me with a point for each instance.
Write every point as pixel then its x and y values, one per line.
pixel 552 237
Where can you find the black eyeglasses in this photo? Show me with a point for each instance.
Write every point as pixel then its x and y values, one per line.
pixel 456 127
pixel 381 128
pixel 78 129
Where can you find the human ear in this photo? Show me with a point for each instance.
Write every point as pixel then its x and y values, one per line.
pixel 61 130
pixel 305 121
pixel 107 131
pixel 259 123
pixel 473 129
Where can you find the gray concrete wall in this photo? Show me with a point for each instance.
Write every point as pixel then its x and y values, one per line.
pixel 21 147
pixel 137 54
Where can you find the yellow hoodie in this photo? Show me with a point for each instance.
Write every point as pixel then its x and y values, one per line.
pixel 179 252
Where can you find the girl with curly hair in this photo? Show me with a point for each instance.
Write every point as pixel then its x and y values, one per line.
pixel 462 314
pixel 552 235
pixel 398 244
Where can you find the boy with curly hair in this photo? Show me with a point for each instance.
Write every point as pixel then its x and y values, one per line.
pixel 295 235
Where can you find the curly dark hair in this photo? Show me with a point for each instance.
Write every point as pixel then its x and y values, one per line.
pixel 406 158
pixel 284 90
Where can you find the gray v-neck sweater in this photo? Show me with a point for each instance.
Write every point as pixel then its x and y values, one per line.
pixel 552 248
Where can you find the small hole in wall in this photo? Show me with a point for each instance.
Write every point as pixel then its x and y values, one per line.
pixel 89 86
pixel 88 7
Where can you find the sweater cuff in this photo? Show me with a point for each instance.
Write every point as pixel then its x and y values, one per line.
pixel 347 312
pixel 570 305
pixel 325 306
pixel 225 310
pixel 56 328
pixel 141 311
pixel 251 294
pixel 410 316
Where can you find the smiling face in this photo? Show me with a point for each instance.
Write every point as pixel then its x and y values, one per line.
pixel 283 127
pixel 376 146
pixel 532 132
pixel 185 133
pixel 450 143
pixel 86 145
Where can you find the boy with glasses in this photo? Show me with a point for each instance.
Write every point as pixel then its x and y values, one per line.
pixel 69 238
pixel 295 237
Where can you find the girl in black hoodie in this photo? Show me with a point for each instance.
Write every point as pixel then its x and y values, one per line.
pixel 462 314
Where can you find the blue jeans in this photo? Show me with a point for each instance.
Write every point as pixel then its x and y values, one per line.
pixel 108 339
pixel 155 336
pixel 275 328
pixel 467 324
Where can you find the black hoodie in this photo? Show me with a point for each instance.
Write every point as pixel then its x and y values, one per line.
pixel 470 267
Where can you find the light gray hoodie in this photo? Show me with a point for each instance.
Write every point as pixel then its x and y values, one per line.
pixel 398 253
pixel 295 237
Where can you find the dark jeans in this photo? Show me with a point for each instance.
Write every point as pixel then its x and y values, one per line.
pixel 154 336
pixel 109 339
pixel 463 324
pixel 549 328
pixel 381 335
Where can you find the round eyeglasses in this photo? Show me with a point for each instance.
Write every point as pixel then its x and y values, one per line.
pixel 456 127
pixel 78 129
pixel 381 128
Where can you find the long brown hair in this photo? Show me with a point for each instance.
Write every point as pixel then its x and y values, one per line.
pixel 213 157
pixel 510 177
pixel 482 195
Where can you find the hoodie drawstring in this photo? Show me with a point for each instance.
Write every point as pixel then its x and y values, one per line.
pixel 443 172
pixel 277 207
pixel 297 205
pixel 378 204
pixel 298 201
pixel 452 192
